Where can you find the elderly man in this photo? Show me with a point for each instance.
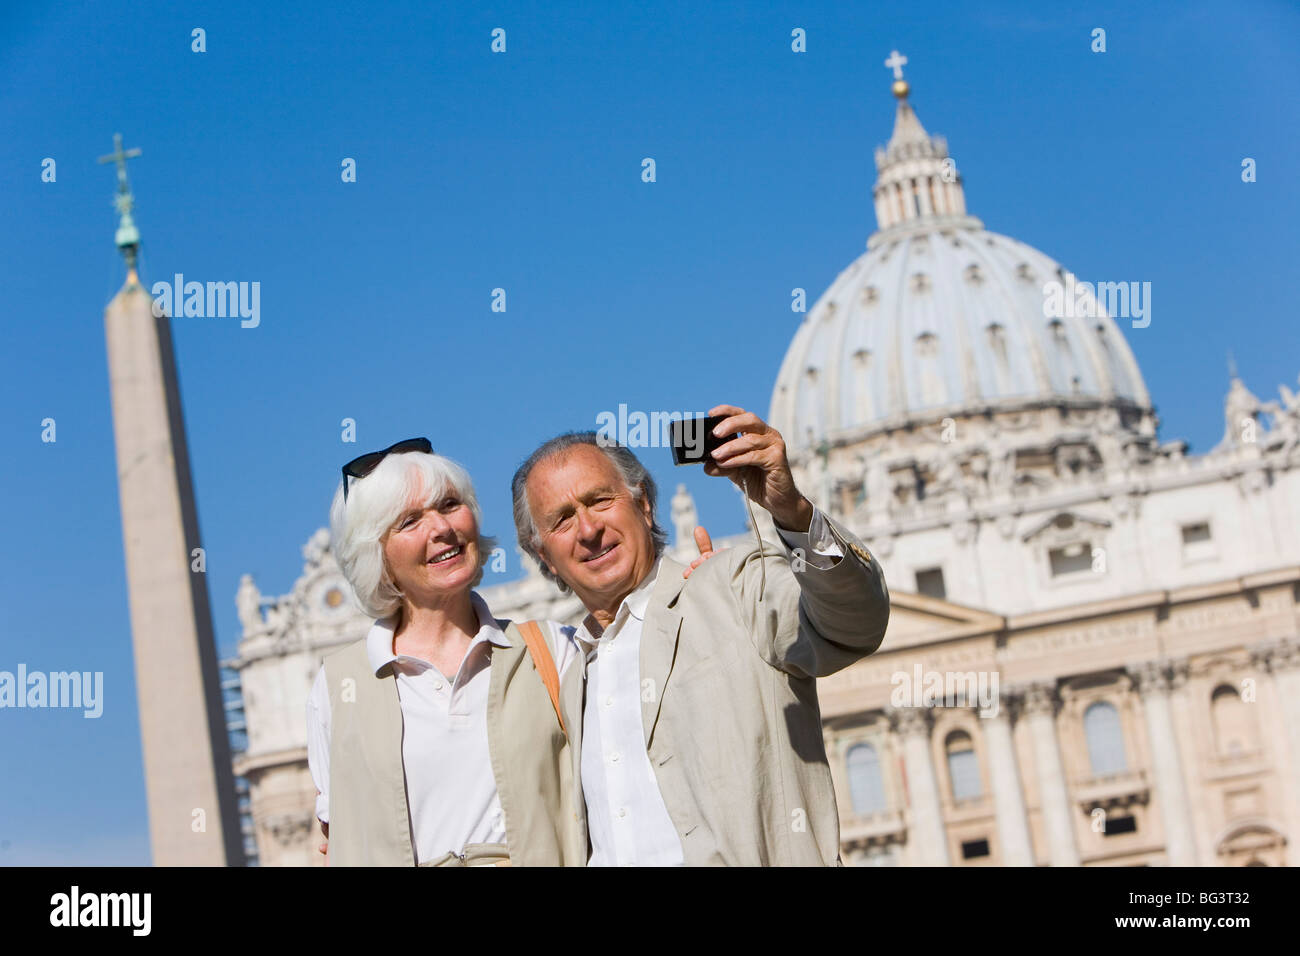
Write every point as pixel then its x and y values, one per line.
pixel 700 737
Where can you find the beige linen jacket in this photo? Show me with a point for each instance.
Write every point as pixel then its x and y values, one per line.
pixel 370 822
pixel 729 698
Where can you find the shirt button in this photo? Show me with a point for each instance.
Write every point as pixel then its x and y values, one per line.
pixel 614 758
pixel 622 811
pixel 609 701
pixel 438 686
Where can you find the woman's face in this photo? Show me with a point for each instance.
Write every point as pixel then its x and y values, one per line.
pixel 433 552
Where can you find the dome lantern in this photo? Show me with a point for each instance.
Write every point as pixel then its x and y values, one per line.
pixel 917 181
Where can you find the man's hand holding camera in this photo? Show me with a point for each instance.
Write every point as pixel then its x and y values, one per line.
pixel 756 461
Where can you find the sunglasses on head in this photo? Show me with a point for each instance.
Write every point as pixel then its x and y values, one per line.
pixel 360 467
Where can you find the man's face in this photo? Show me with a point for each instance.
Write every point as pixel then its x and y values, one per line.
pixel 593 534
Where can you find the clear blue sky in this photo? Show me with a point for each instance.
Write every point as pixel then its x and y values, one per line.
pixel 522 171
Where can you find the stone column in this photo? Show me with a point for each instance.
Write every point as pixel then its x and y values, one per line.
pixel 1281 660
pixel 912 724
pixel 940 197
pixel 1008 798
pixel 1040 703
pixel 923 195
pixel 1152 680
pixel 1180 713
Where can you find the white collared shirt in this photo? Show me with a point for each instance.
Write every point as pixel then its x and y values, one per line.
pixel 450 787
pixel 626 815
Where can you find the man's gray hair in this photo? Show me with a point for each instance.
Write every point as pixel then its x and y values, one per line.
pixel 629 467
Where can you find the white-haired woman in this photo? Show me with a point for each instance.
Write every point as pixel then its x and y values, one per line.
pixel 437 738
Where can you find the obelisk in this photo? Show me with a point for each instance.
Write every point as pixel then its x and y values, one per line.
pixel 193 817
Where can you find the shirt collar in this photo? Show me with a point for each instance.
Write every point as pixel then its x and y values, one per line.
pixel 379 639
pixel 636 604
pixel 638 600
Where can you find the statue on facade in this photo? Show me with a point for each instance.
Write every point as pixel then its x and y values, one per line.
pixel 1286 419
pixel 248 602
pixel 685 518
pixel 1240 416
pixel 944 475
pixel 314 551
pixel 875 482
pixel 819 485
pixel 1002 469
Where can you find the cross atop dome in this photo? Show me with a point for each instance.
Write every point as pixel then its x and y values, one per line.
pixel 896 62
pixel 918 185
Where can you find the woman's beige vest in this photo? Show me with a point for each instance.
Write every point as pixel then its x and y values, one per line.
pixel 370 823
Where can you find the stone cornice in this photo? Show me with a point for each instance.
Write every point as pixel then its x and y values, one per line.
pixel 1200 472
pixel 251 762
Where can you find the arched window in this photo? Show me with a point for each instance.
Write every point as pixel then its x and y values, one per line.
pixel 1234 730
pixel 963 766
pixel 866 787
pixel 934 391
pixel 1105 738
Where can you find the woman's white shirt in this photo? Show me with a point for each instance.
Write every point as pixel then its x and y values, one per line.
pixel 450 787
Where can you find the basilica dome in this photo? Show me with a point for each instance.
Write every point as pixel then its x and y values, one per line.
pixel 942 318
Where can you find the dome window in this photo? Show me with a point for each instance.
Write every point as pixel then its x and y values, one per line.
pixel 862 357
pixel 973 274
pixel 998 338
pixel 1024 273
pixel 920 282
pixel 811 372
pixel 870 295
pixel 1057 328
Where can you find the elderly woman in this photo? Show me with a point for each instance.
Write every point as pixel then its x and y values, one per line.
pixel 437 739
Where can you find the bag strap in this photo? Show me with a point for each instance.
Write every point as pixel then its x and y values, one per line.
pixel 544 663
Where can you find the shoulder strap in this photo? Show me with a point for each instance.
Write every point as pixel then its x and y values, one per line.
pixel 545 665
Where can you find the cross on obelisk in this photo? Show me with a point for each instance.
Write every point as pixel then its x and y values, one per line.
pixel 896 62
pixel 128 237
pixel 189 780
pixel 120 156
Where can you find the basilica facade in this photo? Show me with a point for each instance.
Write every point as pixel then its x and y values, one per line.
pixel 1093 655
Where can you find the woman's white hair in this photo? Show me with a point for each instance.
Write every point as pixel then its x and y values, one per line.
pixel 374 502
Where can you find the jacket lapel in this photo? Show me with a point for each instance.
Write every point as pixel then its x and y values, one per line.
pixel 659 641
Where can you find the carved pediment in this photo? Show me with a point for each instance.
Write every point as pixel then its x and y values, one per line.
pixel 1065 527
pixel 917 619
